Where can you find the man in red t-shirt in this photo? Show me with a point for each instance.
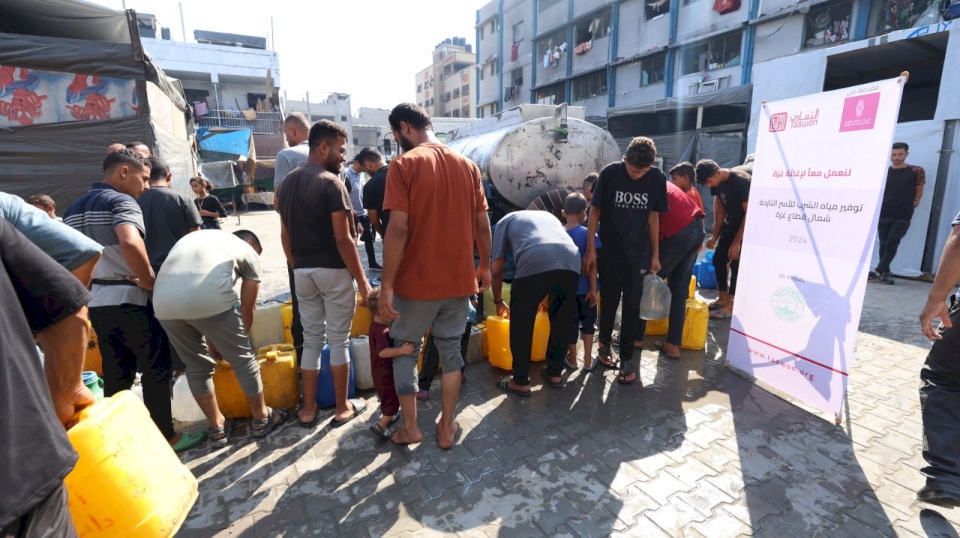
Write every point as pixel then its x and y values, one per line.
pixel 681 236
pixel 437 212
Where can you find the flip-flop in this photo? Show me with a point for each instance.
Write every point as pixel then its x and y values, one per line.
pixel 714 306
pixel 381 432
pixel 456 437
pixel 719 314
pixel 504 384
pixel 627 369
pixel 567 365
pixel 302 423
pixel 661 345
pixel 358 408
pixel 270 424
pixel 548 381
pixel 593 365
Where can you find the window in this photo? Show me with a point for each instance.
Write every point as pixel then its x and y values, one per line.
pixel 899 14
pixel 595 28
pixel 481 30
pixel 466 89
pixel 494 26
pixel 494 67
pixel 482 70
pixel 456 113
pixel 516 77
pixel 356 141
pixel 551 49
pixel 551 95
pixel 590 86
pixel 419 88
pixel 828 24
pixel 652 69
pixel 723 51
pixel 543 5
pixel 343 118
pixel 656 8
pixel 518 32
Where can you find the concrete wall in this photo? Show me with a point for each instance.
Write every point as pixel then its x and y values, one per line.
pixel 223 60
pixel 595 107
pixel 728 76
pixel 779 38
pixel 489 86
pixel 637 35
pixel 598 55
pixel 585 6
pixel 552 18
pixel 628 90
pixel 699 19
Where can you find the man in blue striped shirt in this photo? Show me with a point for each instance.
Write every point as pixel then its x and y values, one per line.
pixel 121 313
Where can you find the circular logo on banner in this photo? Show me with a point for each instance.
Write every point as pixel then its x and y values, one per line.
pixel 787 304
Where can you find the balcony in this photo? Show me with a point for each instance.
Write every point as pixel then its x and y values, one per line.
pixel 262 122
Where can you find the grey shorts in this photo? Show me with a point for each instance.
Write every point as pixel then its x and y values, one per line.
pixel 447 317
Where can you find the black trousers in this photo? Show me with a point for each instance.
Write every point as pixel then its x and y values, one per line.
pixel 940 408
pixel 369 237
pixel 431 358
pixel 49 519
pixel 131 338
pixel 297 326
pixel 722 257
pixel 890 232
pixel 525 296
pixel 621 277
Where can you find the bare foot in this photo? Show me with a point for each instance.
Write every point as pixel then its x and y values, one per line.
pixel 404 436
pixel 446 439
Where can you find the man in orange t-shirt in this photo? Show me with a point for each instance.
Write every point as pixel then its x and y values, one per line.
pixel 437 212
pixel 682 176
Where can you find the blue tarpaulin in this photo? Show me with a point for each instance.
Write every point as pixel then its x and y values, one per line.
pixel 233 141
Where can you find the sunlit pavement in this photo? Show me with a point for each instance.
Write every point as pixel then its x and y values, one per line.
pixel 695 451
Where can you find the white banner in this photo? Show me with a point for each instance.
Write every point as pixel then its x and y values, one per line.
pixel 818 181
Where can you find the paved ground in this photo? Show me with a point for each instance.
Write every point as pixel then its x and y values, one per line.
pixel 694 451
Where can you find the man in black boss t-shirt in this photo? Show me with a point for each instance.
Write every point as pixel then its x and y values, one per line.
pixel 626 199
pixel 901 196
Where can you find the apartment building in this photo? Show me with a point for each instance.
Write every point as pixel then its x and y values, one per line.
pixel 692 74
pixel 444 88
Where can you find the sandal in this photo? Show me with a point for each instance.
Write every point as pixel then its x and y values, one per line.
pixel 627 375
pixel 547 379
pixel 715 305
pixel 384 433
pixel 662 346
pixel 593 365
pixel 605 357
pixel 504 384
pixel 359 407
pixel 567 365
pixel 189 440
pixel 219 437
pixel 303 423
pixel 267 424
pixel 720 314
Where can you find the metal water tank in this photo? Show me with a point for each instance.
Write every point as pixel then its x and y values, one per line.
pixel 528 150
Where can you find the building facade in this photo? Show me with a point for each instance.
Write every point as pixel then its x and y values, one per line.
pixel 692 74
pixel 317 106
pixel 445 88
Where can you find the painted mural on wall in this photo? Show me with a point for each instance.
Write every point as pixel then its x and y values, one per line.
pixel 32 97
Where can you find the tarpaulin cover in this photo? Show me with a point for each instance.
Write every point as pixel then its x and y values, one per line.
pixel 64 18
pixel 233 142
pixel 221 174
pixel 224 38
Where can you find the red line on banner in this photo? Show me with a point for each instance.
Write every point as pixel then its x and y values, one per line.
pixel 811 361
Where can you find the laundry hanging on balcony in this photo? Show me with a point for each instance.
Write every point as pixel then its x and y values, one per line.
pixel 726 6
pixel 515 51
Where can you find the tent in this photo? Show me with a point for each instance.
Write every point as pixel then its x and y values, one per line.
pixel 74 79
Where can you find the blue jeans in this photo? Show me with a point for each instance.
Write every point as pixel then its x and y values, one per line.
pixel 940 408
pixel 890 232
pixel 678 254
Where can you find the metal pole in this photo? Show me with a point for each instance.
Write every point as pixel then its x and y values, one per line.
pixel 183 27
pixel 273 42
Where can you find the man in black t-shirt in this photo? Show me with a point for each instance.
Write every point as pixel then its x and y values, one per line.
pixel 38 295
pixel 626 199
pixel 371 162
pixel 901 196
pixel 317 233
pixel 731 190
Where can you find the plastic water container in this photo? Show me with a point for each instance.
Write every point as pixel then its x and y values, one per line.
pixel 658 327
pixel 695 325
pixel 93 382
pixel 655 303
pixel 361 320
pixel 128 481
pixel 692 290
pixel 267 326
pixel 185 407
pixel 286 313
pixel 93 360
pixel 278 371
pixel 541 337
pixel 360 351
pixel 490 309
pixel 475 346
pixel 707 276
pixel 498 337
pixel 325 393
pixel 484 341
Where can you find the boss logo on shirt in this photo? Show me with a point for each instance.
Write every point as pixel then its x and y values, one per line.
pixel 631 199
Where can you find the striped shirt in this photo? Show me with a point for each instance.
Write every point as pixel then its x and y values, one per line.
pixel 96 215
